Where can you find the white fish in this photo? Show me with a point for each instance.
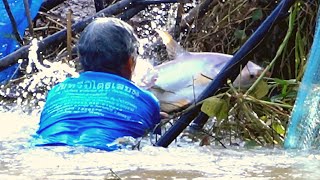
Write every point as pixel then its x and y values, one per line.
pixel 179 82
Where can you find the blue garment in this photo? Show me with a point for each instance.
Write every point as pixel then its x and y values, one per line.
pixel 95 109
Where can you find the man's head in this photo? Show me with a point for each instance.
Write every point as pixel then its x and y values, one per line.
pixel 108 45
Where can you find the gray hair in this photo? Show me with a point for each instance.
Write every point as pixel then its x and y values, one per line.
pixel 106 45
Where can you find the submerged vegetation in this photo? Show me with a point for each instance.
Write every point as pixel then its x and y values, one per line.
pixel 256 116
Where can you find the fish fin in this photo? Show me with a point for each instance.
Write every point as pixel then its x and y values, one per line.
pixel 173 48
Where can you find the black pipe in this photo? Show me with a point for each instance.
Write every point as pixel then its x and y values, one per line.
pixel 230 71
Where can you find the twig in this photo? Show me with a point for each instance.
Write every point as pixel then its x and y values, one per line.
pixel 13 22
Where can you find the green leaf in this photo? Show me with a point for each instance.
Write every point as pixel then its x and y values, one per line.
pixel 260 90
pixel 257 15
pixel 215 107
pixel 278 128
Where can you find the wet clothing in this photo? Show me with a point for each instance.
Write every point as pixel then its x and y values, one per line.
pixel 94 110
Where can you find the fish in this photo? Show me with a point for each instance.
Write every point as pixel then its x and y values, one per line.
pixel 178 83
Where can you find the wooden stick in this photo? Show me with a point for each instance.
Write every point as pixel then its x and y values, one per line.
pixel 13 22
pixel 27 9
pixel 69 34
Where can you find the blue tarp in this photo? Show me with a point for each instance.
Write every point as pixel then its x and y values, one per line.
pixel 8 42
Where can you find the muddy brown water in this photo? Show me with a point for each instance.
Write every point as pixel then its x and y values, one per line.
pixel 181 160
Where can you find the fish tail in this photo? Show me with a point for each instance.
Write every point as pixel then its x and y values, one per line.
pixel 173 48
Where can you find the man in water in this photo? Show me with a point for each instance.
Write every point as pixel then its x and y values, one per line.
pixel 102 104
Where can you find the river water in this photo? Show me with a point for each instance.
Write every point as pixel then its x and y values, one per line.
pixel 182 160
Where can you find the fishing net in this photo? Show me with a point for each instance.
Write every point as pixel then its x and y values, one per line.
pixel 303 129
